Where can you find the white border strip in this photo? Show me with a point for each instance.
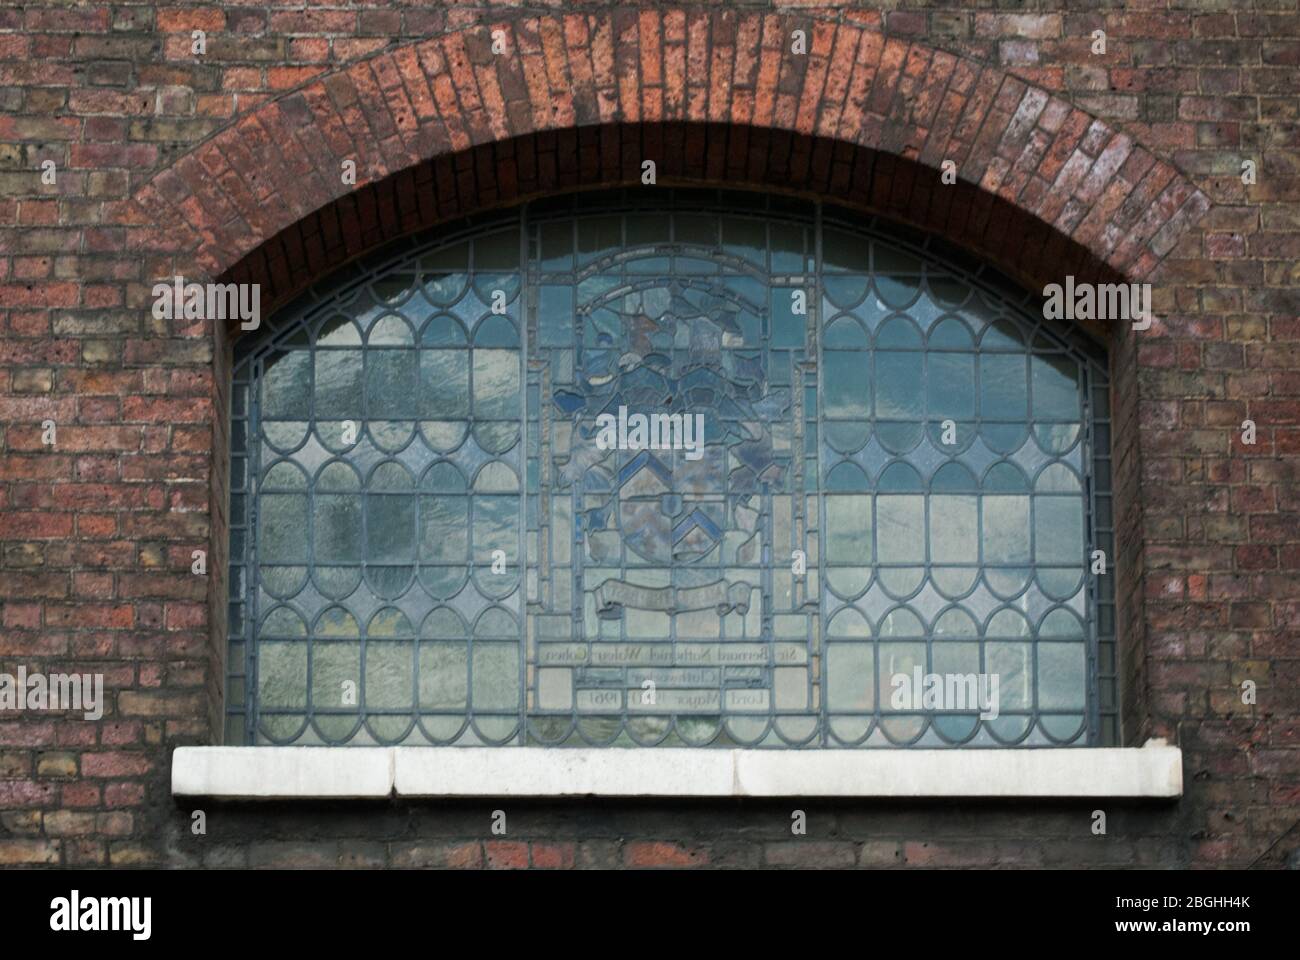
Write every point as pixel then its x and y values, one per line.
pixel 272 773
pixel 285 773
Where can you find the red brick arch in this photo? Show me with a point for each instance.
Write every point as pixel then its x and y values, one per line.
pixel 442 127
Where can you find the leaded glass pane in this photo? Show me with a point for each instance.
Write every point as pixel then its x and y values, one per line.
pixel 660 469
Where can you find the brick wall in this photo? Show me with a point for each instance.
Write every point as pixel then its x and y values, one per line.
pixel 225 165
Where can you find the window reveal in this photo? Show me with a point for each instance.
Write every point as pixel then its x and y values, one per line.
pixel 903 473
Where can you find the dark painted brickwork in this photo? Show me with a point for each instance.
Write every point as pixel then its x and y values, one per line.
pixel 226 165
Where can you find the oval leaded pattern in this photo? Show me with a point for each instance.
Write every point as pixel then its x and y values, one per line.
pixel 903 474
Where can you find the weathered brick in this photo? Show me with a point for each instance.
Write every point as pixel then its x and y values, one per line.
pixel 646 853
pixel 168 163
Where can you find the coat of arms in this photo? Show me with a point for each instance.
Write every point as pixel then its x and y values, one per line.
pixel 676 355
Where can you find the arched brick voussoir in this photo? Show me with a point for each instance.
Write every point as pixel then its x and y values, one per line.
pixel 443 126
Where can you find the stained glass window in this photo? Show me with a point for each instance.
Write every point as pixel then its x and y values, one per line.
pixel 690 468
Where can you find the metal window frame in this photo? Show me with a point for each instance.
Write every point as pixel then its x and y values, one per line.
pixel 1101 718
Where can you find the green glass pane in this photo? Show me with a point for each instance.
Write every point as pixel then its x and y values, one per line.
pixel 961 660
pixel 495 477
pixel 336 582
pixel 846 476
pixel 898 665
pixel 1062 673
pixel 788 328
pixel 953 478
pixel 496 384
pixel 954 529
pixel 898 477
pixel 337 622
pixel 848 524
pixel 844 333
pixel 1060 624
pixel 443 623
pixel 496 676
pixel 338 383
pixel 444 675
pixel 1003 387
pixel 496 437
pixel 1005 478
pixel 338 331
pixel 844 292
pixel 1056 387
pixel 850 677
pixel 848 623
pixel 1057 478
pixel 898 333
pixel 443 331
pixel 901 623
pixel 444 384
pixel 899 437
pixel 444 529
pixel 1006 529
pixel 390 332
pixel 495 622
pixel 284 476
pixel 846 390
pixel 338 476
pixel 951 378
pixel 392 383
pixel 390 528
pixel 336 674
pixel 1058 530
pixel 1002 334
pixel 390 675
pixel 445 289
pixel 950 334
pixel 496 523
pixel 283 528
pixel 1012 663
pixel 282 675
pixel 391 477
pixel 283 622
pixel 337 528
pixel 496 331
pixel 443 478
pixel 900 530
pixel 286 385
pixel 389 623
pixel 898 291
pixel 555 316
pixel 898 385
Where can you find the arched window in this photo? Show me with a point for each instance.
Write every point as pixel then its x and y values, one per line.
pixel 656 467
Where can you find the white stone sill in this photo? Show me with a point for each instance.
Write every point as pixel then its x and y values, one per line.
pixel 1154 771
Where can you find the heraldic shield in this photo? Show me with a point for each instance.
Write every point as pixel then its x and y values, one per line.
pixel 672 587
